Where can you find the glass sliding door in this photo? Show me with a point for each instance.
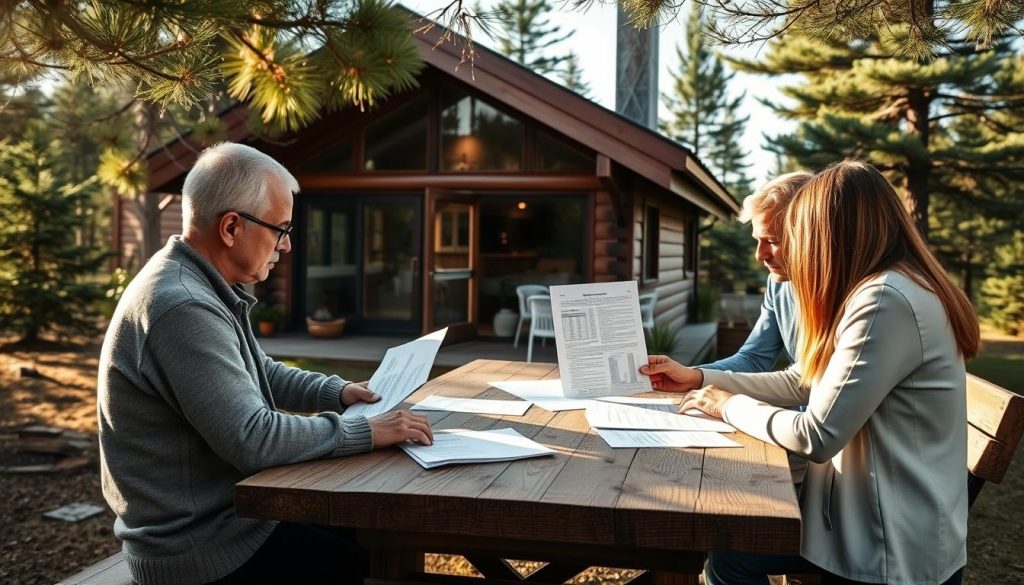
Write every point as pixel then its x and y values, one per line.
pixel 391 255
pixel 332 272
pixel 361 260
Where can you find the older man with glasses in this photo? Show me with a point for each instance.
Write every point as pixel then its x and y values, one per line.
pixel 189 404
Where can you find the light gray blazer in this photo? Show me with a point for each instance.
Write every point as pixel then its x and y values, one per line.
pixel 885 499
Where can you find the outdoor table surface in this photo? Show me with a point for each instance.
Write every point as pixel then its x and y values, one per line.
pixel 659 509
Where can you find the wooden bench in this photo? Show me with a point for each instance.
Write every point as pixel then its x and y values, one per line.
pixel 996 423
pixel 112 570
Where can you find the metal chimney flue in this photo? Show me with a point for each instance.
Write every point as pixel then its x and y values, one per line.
pixel 636 72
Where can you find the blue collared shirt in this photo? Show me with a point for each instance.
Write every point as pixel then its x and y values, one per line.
pixel 773 333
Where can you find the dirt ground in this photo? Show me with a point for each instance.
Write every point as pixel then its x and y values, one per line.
pixel 34 550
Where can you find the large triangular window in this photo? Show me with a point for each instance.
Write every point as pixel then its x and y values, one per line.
pixel 478 136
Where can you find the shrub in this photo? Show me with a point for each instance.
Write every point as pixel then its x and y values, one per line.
pixel 662 340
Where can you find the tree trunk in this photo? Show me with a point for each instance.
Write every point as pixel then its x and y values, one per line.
pixel 146 205
pixel 915 186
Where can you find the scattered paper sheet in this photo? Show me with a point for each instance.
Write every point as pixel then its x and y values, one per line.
pixel 620 439
pixel 473 405
pixel 546 394
pixel 599 337
pixel 465 446
pixel 665 404
pixel 404 369
pixel 606 415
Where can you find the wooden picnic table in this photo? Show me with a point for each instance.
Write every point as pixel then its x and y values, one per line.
pixel 589 505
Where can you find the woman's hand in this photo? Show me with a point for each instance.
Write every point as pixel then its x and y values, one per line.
pixel 708 399
pixel 668 375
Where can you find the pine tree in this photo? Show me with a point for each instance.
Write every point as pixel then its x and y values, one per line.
pixel 289 59
pixel 704 118
pixel 940 129
pixel 43 270
pixel 930 23
pixel 1003 292
pixel 527 37
pixel 572 76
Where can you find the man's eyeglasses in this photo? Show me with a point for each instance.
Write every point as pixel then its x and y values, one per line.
pixel 282 232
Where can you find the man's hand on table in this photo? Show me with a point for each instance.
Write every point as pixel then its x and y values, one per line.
pixel 357 392
pixel 398 426
pixel 668 375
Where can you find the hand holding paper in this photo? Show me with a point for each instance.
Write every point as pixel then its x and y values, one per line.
pixel 403 369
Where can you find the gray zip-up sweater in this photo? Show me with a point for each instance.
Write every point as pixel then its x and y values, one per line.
pixel 188 406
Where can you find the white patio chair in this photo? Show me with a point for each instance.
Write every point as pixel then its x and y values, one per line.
pixel 524 292
pixel 647 302
pixel 542 323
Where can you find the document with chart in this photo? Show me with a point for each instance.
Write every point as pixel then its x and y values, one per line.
pixel 600 339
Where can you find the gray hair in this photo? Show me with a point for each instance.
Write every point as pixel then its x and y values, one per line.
pixel 774 196
pixel 229 177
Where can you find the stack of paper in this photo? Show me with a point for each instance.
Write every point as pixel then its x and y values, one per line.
pixel 465 446
pixel 626 425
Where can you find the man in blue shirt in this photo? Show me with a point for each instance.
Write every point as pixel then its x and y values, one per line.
pixel 775 329
pixel 773 333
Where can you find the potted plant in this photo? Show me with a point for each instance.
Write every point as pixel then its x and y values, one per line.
pixel 267 318
pixel 321 324
pixel 505 320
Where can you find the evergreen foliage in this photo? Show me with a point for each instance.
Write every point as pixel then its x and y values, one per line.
pixel 288 58
pixel 526 36
pixel 44 269
pixel 947 132
pixel 929 24
pixel 705 118
pixel 572 76
pixel 1003 292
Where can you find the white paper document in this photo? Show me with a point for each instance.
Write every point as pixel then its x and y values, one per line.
pixel 404 369
pixel 599 337
pixel 465 446
pixel 473 405
pixel 666 404
pixel 621 439
pixel 546 394
pixel 607 415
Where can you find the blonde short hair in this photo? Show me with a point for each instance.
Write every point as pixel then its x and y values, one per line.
pixel 774 196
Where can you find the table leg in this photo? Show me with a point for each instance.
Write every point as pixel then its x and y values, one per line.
pixel 395 564
pixel 665 578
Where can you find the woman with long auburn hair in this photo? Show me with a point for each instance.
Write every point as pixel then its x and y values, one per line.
pixel 883 335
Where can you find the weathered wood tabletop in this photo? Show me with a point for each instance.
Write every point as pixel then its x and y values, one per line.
pixel 657 509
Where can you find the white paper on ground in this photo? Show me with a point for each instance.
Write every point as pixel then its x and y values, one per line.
pixel 404 368
pixel 473 405
pixel 622 439
pixel 599 336
pixel 606 415
pixel 546 394
pixel 466 446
